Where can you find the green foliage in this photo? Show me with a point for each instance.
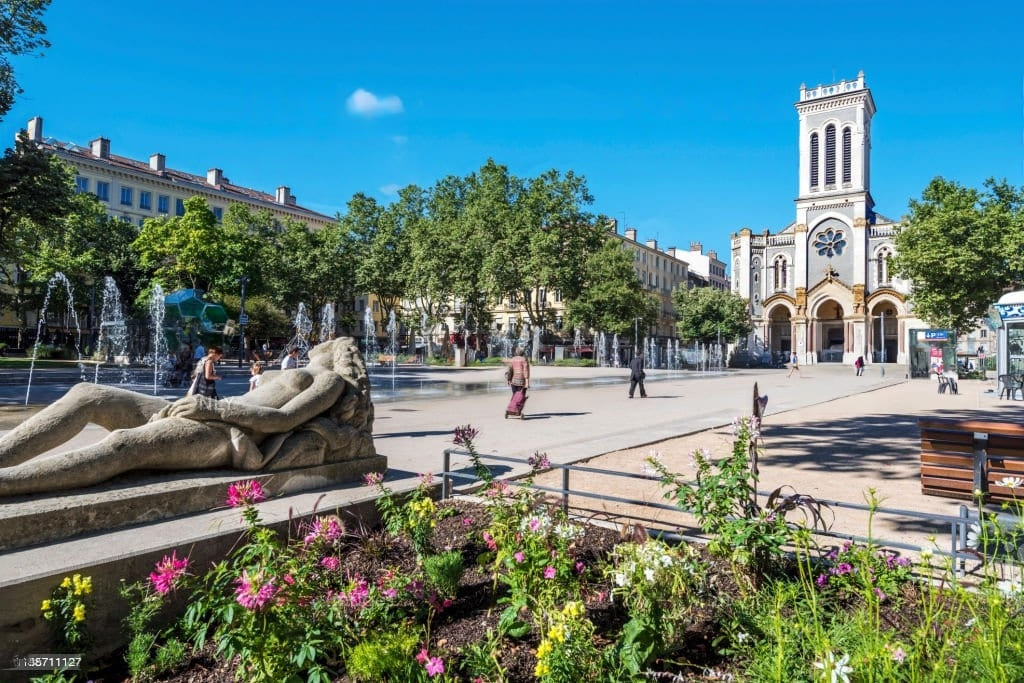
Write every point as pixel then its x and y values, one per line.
pixel 381 247
pixel 66 611
pixel 21 33
pixel 613 297
pixel 575 363
pixel 415 516
pixel 658 585
pixel 183 251
pixel 444 572
pixel 961 248
pixel 383 657
pixel 707 314
pixel 724 499
pixel 567 651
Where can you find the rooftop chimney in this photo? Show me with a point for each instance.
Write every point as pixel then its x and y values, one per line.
pixel 291 200
pixel 284 193
pixel 671 251
pixel 214 177
pixel 613 226
pixel 100 148
pixel 157 161
pixel 697 247
pixel 653 244
pixel 631 234
pixel 712 254
pixel 35 129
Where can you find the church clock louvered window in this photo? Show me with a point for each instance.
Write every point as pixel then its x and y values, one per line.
pixel 830 155
pixel 814 159
pixel 847 162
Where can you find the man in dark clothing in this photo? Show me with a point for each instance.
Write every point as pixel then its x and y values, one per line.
pixel 636 375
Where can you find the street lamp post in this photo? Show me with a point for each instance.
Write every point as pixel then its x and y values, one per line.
pixel 242 320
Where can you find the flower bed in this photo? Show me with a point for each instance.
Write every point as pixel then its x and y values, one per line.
pixel 507 588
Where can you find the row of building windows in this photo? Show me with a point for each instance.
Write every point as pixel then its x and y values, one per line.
pixel 830 156
pixel 781 269
pixel 163 202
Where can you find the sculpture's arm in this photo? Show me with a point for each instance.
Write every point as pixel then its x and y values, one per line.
pixel 315 399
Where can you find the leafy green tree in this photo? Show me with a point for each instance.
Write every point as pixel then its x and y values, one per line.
pixel 542 237
pixel 184 251
pixel 707 314
pixel 961 248
pixel 21 33
pixel 438 246
pixel 381 248
pixel 37 204
pixel 612 297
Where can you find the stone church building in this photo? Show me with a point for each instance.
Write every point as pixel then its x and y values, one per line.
pixel 822 286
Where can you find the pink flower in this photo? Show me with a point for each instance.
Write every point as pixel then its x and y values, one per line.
pixel 245 493
pixel 434 666
pixel 166 573
pixel 250 594
pixel 423 656
pixel 549 572
pixel 325 528
pixel 519 556
pixel 289 579
pixel 426 478
pixel 467 521
pixel 464 435
pixel 489 540
pixel 373 478
pixel 358 594
pixel 898 655
pixel 534 524
pixel 330 563
pixel 580 567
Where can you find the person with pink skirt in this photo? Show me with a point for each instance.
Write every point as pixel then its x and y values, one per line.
pixel 520 382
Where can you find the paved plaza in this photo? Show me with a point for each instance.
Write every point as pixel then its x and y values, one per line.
pixel 827 433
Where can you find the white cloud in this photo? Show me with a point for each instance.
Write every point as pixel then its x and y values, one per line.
pixel 399 139
pixel 365 103
pixel 391 189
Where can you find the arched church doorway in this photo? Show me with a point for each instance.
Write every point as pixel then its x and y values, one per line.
pixel 831 329
pixel 780 332
pixel 884 333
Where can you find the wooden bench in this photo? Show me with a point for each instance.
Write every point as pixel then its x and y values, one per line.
pixel 961 457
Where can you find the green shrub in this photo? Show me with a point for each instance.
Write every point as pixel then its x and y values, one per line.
pixel 444 572
pixel 576 363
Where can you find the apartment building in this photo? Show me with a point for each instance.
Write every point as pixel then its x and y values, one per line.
pixel 134 190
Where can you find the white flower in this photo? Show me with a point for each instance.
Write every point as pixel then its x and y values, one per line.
pixel 649 575
pixel 741 636
pixel 620 579
pixel 836 670
pixel 974 535
pixel 1010 482
pixel 926 554
pixel 1010 588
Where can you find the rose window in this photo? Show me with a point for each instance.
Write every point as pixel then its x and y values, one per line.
pixel 830 243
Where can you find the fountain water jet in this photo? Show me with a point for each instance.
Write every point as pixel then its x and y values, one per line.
pixel 113 342
pixel 327 322
pixel 157 311
pixel 58 277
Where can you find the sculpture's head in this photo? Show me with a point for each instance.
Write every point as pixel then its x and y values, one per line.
pixel 337 355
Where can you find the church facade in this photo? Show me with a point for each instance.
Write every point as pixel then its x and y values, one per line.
pixel 822 286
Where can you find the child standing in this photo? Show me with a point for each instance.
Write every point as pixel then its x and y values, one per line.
pixel 257 375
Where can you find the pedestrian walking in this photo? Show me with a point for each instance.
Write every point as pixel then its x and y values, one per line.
pixel 637 374
pixel 519 381
pixel 859 364
pixel 205 381
pixel 794 365
pixel 200 352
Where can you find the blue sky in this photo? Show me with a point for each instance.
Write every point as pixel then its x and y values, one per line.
pixel 680 114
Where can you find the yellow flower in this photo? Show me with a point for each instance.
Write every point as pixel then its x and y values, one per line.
pixel 544 649
pixel 557 634
pixel 79 612
pixel 573 609
pixel 541 670
pixel 87 585
pixel 46 606
pixel 66 583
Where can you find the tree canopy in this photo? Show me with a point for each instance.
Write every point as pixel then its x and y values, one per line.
pixel 21 33
pixel 612 297
pixel 961 247
pixel 704 312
